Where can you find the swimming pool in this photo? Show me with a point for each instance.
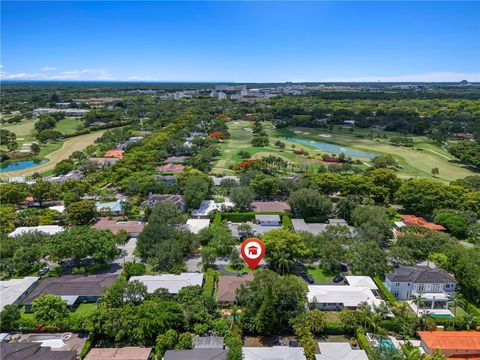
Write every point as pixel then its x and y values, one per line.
pixel 19 165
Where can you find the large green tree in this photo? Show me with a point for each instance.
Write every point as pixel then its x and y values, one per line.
pixel 307 203
pixel 283 249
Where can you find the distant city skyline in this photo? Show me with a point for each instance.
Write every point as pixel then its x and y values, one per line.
pixel 240 41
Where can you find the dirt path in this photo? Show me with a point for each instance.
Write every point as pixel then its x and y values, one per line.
pixel 68 148
pixel 433 151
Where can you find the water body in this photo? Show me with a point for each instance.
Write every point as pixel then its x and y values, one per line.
pixel 333 149
pixel 19 165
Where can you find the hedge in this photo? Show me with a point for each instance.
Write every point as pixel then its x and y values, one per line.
pixel 386 295
pixel 210 282
pixel 88 345
pixel 246 216
pixel 364 343
pixel 217 220
pixel 287 222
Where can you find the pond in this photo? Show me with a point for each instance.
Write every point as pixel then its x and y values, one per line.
pixel 332 148
pixel 19 165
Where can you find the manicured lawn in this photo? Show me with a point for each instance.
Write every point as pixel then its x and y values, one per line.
pixel 85 309
pixel 68 125
pixel 319 274
pixel 417 161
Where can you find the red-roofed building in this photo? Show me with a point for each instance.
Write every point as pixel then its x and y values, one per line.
pixel 455 344
pixel 412 220
pixel 117 154
pixel 171 168
pixel 332 160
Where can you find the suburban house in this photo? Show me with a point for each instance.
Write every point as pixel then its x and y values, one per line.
pixel 435 286
pixel 72 175
pixel 117 154
pixel 103 161
pixel 207 206
pixel 455 344
pixel 195 225
pixel 130 353
pixel 166 179
pixel 154 199
pixel 171 168
pixel 126 144
pixel 228 285
pixel 14 290
pixel 339 351
pixel 362 281
pixel 273 353
pixel 300 226
pixel 339 222
pixel 46 229
pixel 217 180
pixel 32 351
pixel 196 354
pixel 176 159
pixel 171 282
pixel 209 342
pixel 270 206
pixel 111 207
pixel 337 297
pixel 268 220
pixel 133 228
pixel 75 289
pixel 412 220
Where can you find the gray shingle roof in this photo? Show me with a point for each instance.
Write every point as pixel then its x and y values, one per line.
pixel 32 351
pixel 196 354
pixel 421 274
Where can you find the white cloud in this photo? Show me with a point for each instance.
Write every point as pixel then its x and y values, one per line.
pixel 142 78
pixel 424 77
pixel 49 68
pixel 71 75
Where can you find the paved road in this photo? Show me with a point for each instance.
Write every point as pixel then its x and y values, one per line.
pixel 126 255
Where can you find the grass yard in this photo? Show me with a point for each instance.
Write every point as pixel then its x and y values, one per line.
pixel 68 125
pixel 232 270
pixel 415 162
pixel 320 275
pixel 85 309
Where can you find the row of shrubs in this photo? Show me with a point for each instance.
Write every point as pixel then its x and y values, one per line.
pixel 386 295
pixel 243 216
pixel 211 278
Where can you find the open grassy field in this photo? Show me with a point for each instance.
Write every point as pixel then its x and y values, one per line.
pixel 65 149
pixel 415 162
pixel 68 125
pixel 240 139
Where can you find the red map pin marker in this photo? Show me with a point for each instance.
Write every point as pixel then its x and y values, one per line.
pixel 253 251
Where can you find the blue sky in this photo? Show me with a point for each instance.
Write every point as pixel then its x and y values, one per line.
pixel 241 41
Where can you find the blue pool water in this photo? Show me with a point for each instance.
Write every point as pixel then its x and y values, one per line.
pixel 332 148
pixel 19 165
pixel 386 344
pixel 442 315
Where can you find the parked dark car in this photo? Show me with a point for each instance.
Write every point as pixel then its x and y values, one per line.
pixel 338 278
pixel 307 277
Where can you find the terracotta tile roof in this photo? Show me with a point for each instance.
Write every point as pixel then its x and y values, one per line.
pixel 118 154
pixel 458 344
pixel 125 353
pixel 412 220
pixel 173 168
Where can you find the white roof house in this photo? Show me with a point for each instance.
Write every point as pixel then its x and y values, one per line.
pixel 273 353
pixel 59 208
pixel 339 351
pixel 207 206
pixel 348 296
pixel 46 229
pixel 195 225
pixel 364 281
pixel 13 290
pixel 173 283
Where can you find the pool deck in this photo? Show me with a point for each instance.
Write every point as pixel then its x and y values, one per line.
pixel 433 312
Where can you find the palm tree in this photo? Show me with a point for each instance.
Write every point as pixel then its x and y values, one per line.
pixel 411 352
pixel 418 301
pixel 401 309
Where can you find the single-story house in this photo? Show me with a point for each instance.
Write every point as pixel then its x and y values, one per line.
pixel 363 281
pixel 228 285
pixel 134 228
pixel 207 206
pixel 196 354
pixel 171 168
pixel 217 180
pixel 129 352
pixel 209 342
pixel 112 207
pixel 300 226
pixel 173 283
pixel 455 344
pixel 59 208
pixel 166 179
pixel 337 297
pixel 176 159
pixel 32 351
pixel 339 351
pixel 178 200
pixel 75 289
pixel 117 154
pixel 270 206
pixel 268 220
pixel 46 229
pixel 102 161
pixel 273 353
pixel 195 225
pixel 14 290
pixel 412 220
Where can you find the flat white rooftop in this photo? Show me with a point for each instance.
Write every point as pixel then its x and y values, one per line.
pixel 365 281
pixel 339 351
pixel 273 353
pixel 195 225
pixel 173 283
pixel 12 290
pixel 46 229
pixel 349 296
